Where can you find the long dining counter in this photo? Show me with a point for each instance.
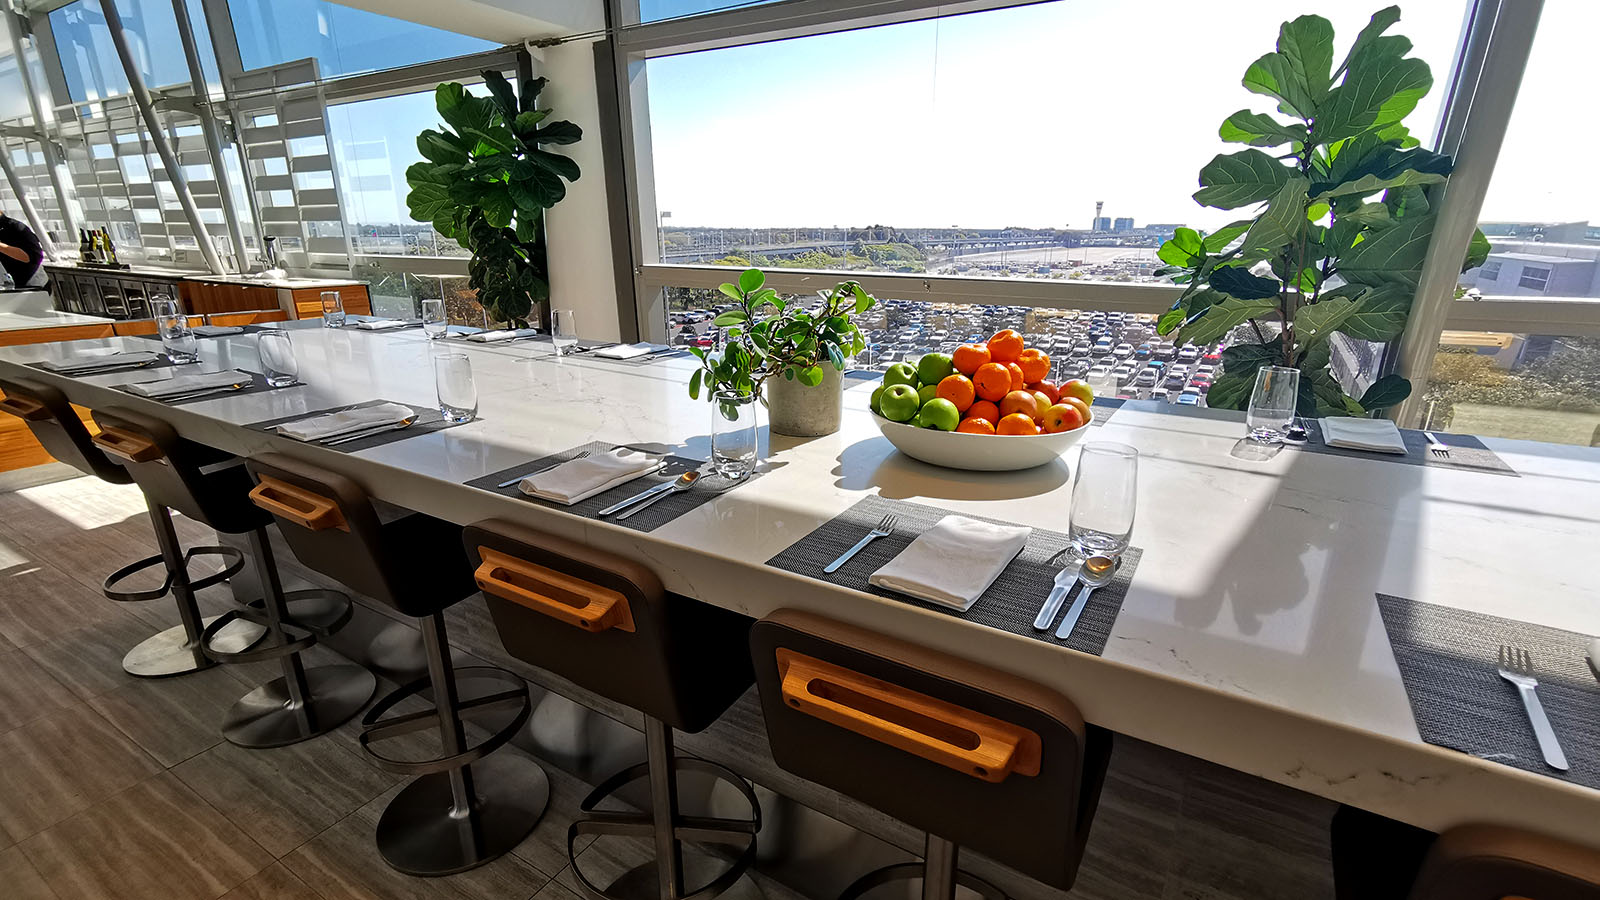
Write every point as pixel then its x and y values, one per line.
pixel 1250 635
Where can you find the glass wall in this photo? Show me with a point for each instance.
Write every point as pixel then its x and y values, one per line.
pixel 1531 386
pixel 89 60
pixel 342 39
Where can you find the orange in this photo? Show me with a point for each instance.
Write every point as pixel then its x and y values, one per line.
pixel 1035 364
pixel 958 389
pixel 992 381
pixel 1019 403
pixel 968 357
pixel 1005 346
pixel 983 409
pixel 1016 423
pixel 1018 382
pixel 1077 404
pixel 975 425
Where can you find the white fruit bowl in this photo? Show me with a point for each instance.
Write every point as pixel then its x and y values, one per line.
pixel 979 452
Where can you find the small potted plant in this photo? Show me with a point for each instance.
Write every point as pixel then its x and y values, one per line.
pixel 797 353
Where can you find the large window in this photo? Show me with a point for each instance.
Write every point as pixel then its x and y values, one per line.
pixel 1534 387
pixel 89 59
pixel 374 141
pixel 342 39
pixel 1054 141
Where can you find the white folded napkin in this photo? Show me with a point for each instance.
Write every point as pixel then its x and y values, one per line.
pixel 629 351
pixel 329 425
pixel 504 334
pixel 580 479
pixel 183 384
pixel 953 562
pixel 1376 435
pixel 381 324
pixel 97 358
pixel 216 330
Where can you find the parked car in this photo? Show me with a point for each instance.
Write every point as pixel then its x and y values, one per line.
pixel 1146 378
pixel 1188 353
pixel 1188 400
pixel 1123 350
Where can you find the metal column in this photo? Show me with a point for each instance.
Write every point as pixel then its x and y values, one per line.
pixel 212 135
pixel 141 96
pixel 52 160
pixel 27 206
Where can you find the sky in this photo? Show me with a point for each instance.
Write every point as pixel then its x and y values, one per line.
pixel 1027 116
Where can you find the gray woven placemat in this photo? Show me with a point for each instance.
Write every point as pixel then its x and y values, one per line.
pixel 162 362
pixel 429 419
pixel 639 361
pixel 1448 660
pixel 246 329
pixel 1466 451
pixel 1010 604
pixel 652 517
pixel 258 383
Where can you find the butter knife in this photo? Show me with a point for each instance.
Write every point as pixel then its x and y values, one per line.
pixel 1065 579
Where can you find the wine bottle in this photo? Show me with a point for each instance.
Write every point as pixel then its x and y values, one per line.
pixel 111 247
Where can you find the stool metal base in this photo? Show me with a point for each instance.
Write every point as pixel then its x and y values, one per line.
pixel 938 873
pixel 266 718
pixel 171 652
pixel 418 833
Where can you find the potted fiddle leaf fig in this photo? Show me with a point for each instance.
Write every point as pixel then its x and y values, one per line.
pixel 1343 212
pixel 486 181
pixel 789 355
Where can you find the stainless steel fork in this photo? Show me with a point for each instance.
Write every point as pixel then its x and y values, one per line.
pixel 1437 447
pixel 1516 666
pixel 884 529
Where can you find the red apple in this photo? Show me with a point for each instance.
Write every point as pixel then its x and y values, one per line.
pixel 1062 417
pixel 1049 389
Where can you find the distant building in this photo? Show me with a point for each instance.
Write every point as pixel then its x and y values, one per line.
pixel 1161 232
pixel 1546 232
pixel 1121 225
pixel 1523 268
pixel 1102 223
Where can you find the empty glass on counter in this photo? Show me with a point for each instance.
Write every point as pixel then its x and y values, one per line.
pixel 1272 403
pixel 278 364
pixel 563 330
pixel 458 395
pixel 734 451
pixel 332 310
pixel 177 338
pixel 1104 496
pixel 434 322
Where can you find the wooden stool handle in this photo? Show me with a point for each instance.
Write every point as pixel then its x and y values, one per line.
pixel 562 597
pixel 307 509
pixel 969 742
pixel 128 445
pixel 25 408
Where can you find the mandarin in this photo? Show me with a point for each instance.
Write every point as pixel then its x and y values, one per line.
pixel 968 357
pixel 975 425
pixel 958 389
pixel 983 409
pixel 992 381
pixel 1005 346
pixel 1018 382
pixel 1035 364
pixel 1016 424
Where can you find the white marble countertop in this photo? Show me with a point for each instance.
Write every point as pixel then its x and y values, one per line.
pixel 1250 636
pixel 181 275
pixel 21 310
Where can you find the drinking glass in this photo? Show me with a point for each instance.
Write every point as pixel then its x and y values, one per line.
pixel 176 336
pixel 278 364
pixel 434 324
pixel 563 330
pixel 1272 403
pixel 458 395
pixel 733 435
pixel 332 310
pixel 1104 495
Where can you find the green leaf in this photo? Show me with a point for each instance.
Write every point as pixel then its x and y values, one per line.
pixel 1380 314
pixel 1169 320
pixel 497 207
pixel 1379 89
pixel 694 381
pixel 524 123
pixel 1221 317
pixel 1367 214
pixel 1238 179
pixel 1392 255
pixel 1380 22
pixel 1320 394
pixel 1273 75
pixel 461 110
pixel 811 377
pixel 731 317
pixel 1282 220
pixel 1232 390
pixel 751 280
pixel 531 88
pixel 1386 392
pixel 562 132
pixel 1316 321
pixel 1477 251
pixel 427 201
pixel 730 291
pixel 1307 43
pixel 556 163
pixel 493 138
pixel 536 188
pixel 1238 282
pixel 1238 359
pixel 500 90
pixel 1257 130
pixel 1218 241
pixel 439 147
pixel 1183 249
pixel 1316 211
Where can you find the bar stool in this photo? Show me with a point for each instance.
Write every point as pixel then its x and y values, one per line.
pixel 605 623
pixel 973 756
pixel 177 650
pixel 213 488
pixel 465 808
pixel 1486 862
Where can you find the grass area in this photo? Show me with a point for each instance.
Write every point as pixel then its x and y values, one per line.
pixel 1555 426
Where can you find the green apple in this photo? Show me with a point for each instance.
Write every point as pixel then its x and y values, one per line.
pixel 934 368
pixel 899 402
pixel 927 392
pixel 877 393
pixel 900 373
pixel 939 414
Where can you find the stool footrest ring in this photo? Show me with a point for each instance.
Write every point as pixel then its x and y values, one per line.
pixel 256 653
pixel 914 870
pixel 234 563
pixel 317 610
pixel 376 728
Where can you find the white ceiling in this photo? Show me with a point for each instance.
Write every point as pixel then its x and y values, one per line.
pixel 505 21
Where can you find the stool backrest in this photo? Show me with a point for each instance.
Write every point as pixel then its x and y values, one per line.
pixel 56 425
pixel 1487 862
pixel 605 622
pixel 203 483
pixel 985 759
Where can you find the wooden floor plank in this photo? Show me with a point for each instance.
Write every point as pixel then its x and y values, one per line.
pixel 60 765
pixel 172 719
pixel 27 691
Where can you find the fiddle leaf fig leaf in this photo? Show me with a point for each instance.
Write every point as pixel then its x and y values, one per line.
pixel 1307 43
pixel 1316 321
pixel 1239 179
pixel 1381 87
pixel 1184 249
pixel 1380 22
pixel 1282 220
pixel 1238 282
pixel 1379 314
pixel 1385 392
pixel 1232 391
pixel 1257 130
pixel 1221 317
pixel 1477 251
pixel 1392 255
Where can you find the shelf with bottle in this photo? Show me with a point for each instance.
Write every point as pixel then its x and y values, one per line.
pixel 95 248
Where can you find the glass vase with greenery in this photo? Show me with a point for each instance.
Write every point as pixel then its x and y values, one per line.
pixel 1345 213
pixel 768 335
